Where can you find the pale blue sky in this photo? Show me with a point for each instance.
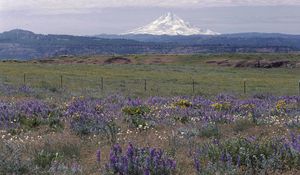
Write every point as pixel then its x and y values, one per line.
pixel 89 17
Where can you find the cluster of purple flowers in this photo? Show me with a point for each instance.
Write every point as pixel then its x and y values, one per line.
pixel 25 89
pixel 295 142
pixel 137 161
pixel 226 108
pixel 10 90
pixel 90 116
pixel 8 115
pixel 251 155
pixel 11 112
pixel 33 108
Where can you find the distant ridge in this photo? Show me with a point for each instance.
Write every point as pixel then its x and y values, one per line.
pixel 171 24
pixel 21 44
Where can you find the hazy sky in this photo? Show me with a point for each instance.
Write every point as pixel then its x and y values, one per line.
pixel 88 17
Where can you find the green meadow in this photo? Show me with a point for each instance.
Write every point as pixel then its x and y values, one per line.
pixel 170 75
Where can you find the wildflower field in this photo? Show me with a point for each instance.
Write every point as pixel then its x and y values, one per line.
pixel 61 130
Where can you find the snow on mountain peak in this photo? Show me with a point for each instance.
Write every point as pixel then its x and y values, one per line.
pixel 171 24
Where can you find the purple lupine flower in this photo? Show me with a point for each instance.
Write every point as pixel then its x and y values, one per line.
pixel 130 150
pixel 147 172
pixel 124 165
pixel 251 138
pixel 25 89
pixel 295 142
pixel 75 168
pixel 174 164
pixel 228 160
pixel 98 156
pixel 197 165
pixel 238 161
pixel 216 141
pixel 148 162
pixel 117 149
pixel 223 157
pixel 152 152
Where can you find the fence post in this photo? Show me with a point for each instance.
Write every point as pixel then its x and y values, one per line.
pixel 299 87
pixel 245 90
pixel 193 86
pixel 102 83
pixel 24 79
pixel 61 81
pixel 145 85
pixel 123 82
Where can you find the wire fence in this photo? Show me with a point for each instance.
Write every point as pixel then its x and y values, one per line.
pixel 153 87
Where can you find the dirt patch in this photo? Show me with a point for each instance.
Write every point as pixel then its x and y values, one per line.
pixel 80 61
pixel 224 63
pixel 267 64
pixel 46 61
pixel 211 62
pixel 156 61
pixel 263 64
pixel 117 60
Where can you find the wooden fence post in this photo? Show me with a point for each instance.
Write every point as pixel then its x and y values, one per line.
pixel 61 81
pixel 123 84
pixel 245 90
pixel 145 85
pixel 193 86
pixel 24 79
pixel 102 83
pixel 299 87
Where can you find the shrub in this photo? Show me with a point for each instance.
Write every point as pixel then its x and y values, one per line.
pixel 55 123
pixel 58 167
pixel 136 116
pixel 136 110
pixel 8 115
pixel 281 105
pixel 30 123
pixel 189 131
pixel 223 106
pixel 210 130
pixel 56 151
pixel 12 159
pixel 183 103
pixel 89 117
pixel 248 155
pixel 32 113
pixel 181 118
pixel 44 158
pixel 55 119
pixel 23 114
pixel 242 124
pixel 293 122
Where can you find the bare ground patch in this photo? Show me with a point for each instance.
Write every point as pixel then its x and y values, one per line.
pixel 267 64
pixel 118 60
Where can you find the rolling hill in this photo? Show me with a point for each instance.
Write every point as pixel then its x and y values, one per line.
pixel 21 44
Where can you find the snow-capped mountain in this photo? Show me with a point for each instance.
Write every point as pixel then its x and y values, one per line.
pixel 170 24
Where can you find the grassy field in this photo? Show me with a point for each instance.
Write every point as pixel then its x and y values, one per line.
pixel 165 75
pixel 57 124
